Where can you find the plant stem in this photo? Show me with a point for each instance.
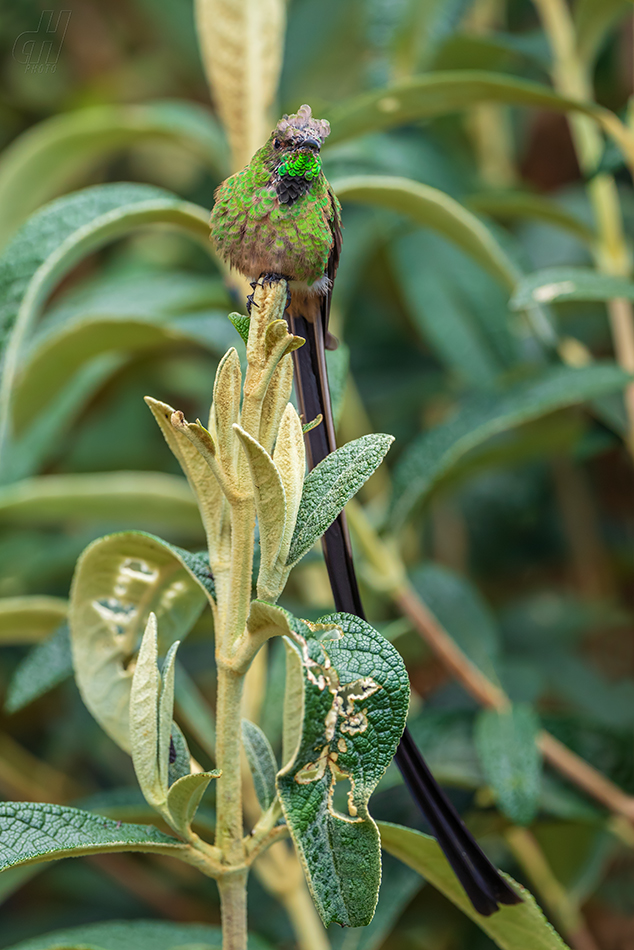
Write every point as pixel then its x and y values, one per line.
pixel 229 785
pixel 233 907
pixel 571 78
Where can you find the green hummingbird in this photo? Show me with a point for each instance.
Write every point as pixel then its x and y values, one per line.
pixel 278 218
pixel 279 215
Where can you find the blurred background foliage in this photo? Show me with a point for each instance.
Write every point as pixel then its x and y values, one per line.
pixel 507 496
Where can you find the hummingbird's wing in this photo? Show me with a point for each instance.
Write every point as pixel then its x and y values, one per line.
pixel 309 317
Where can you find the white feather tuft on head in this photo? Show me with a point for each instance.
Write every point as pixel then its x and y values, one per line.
pixel 303 121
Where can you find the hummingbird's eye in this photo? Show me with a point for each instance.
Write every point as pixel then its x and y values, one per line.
pixel 277 143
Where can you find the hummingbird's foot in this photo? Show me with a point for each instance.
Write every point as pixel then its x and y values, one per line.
pixel 250 301
pixel 273 278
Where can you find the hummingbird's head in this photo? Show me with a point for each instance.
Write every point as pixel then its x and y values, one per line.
pixel 300 133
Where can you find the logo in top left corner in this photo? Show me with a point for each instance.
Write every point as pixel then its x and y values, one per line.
pixel 38 50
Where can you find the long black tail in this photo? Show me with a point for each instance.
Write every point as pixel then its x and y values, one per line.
pixel 480 879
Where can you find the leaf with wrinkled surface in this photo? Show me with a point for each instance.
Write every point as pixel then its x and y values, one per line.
pixel 356 695
pixel 330 486
pixel 32 831
pixel 119 579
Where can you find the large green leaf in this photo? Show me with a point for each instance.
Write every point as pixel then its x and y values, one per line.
pixel 554 284
pixel 145 499
pixel 53 241
pixel 60 151
pixel 128 313
pixel 507 746
pixel 31 832
pixel 355 699
pixel 434 209
pixel 439 93
pixel 330 486
pixel 432 455
pixel 512 928
pixel 133 935
pixel 30 619
pixel 119 580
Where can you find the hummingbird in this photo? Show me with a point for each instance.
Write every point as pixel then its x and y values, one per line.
pixel 279 219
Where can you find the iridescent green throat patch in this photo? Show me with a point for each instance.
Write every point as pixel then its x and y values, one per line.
pixel 301 164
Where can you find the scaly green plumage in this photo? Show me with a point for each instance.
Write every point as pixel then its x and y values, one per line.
pixel 279 215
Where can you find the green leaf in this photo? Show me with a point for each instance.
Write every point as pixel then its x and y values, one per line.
pixel 62 150
pixel 440 93
pixel 270 506
pixel 242 324
pixel 330 486
pixel 119 579
pixel 184 797
pixel 47 665
pixel 261 761
pixel 134 935
pixel 146 736
pixel 53 241
pixel 507 747
pixel 555 284
pixel 356 694
pixel 179 756
pixel 434 209
pixel 514 927
pixel 30 619
pixel 462 611
pixel 432 455
pixel 127 314
pixel 146 499
pixel 399 885
pixel 473 338
pixel 31 832
pixel 509 205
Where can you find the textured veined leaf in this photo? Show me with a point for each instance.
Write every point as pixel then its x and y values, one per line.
pixel 330 486
pixel 32 831
pixel 261 762
pixel 355 700
pixel 47 665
